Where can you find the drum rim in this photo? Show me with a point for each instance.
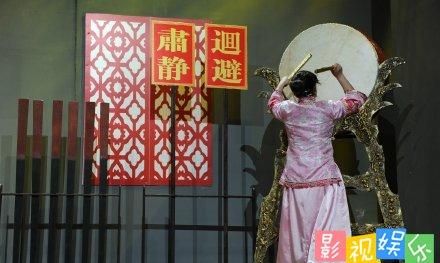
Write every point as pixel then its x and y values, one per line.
pixel 330 23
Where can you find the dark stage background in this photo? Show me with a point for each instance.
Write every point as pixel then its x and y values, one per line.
pixel 41 50
pixel 415 35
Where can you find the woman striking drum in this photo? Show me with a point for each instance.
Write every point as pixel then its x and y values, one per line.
pixel 313 191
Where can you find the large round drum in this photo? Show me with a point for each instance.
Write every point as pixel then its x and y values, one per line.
pixel 333 43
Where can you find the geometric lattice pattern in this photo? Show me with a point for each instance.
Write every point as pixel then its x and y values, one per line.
pixel 117 71
pixel 193 132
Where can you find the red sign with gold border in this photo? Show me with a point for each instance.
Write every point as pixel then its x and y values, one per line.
pixel 172 53
pixel 226 56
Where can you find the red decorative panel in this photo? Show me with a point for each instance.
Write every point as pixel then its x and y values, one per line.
pixel 193 132
pixel 172 53
pixel 226 56
pixel 117 71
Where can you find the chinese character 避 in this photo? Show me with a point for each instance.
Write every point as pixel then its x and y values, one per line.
pixel 227 71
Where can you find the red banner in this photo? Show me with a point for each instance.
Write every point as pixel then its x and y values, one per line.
pixel 226 56
pixel 172 53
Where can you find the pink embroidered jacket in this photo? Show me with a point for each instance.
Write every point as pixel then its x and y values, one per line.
pixel 309 126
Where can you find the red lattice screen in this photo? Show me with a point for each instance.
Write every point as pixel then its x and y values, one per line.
pixel 117 71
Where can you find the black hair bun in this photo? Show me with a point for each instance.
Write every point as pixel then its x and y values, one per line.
pixel 297 85
pixel 304 84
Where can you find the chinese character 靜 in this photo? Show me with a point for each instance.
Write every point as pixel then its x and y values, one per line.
pixel 172 68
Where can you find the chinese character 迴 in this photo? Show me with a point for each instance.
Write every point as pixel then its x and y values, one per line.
pixel 226 43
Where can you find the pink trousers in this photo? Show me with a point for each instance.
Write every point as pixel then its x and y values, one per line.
pixel 306 210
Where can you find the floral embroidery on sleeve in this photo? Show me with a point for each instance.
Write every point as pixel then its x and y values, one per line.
pixel 353 101
pixel 275 105
pixel 351 106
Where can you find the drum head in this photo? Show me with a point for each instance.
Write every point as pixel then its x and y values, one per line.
pixel 333 43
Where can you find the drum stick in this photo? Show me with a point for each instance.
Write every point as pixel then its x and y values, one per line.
pixel 303 62
pixel 320 70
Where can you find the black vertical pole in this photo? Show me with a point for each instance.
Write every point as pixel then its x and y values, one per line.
pixel 143 227
pixel 88 162
pixel 225 179
pixel 37 149
pixel 1 199
pixel 23 109
pixel 119 226
pixel 271 253
pixel 246 256
pixel 57 113
pixel 103 183
pixel 6 240
pixel 220 193
pixel 254 218
pixel 172 181
pixel 72 124
pixel 7 219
